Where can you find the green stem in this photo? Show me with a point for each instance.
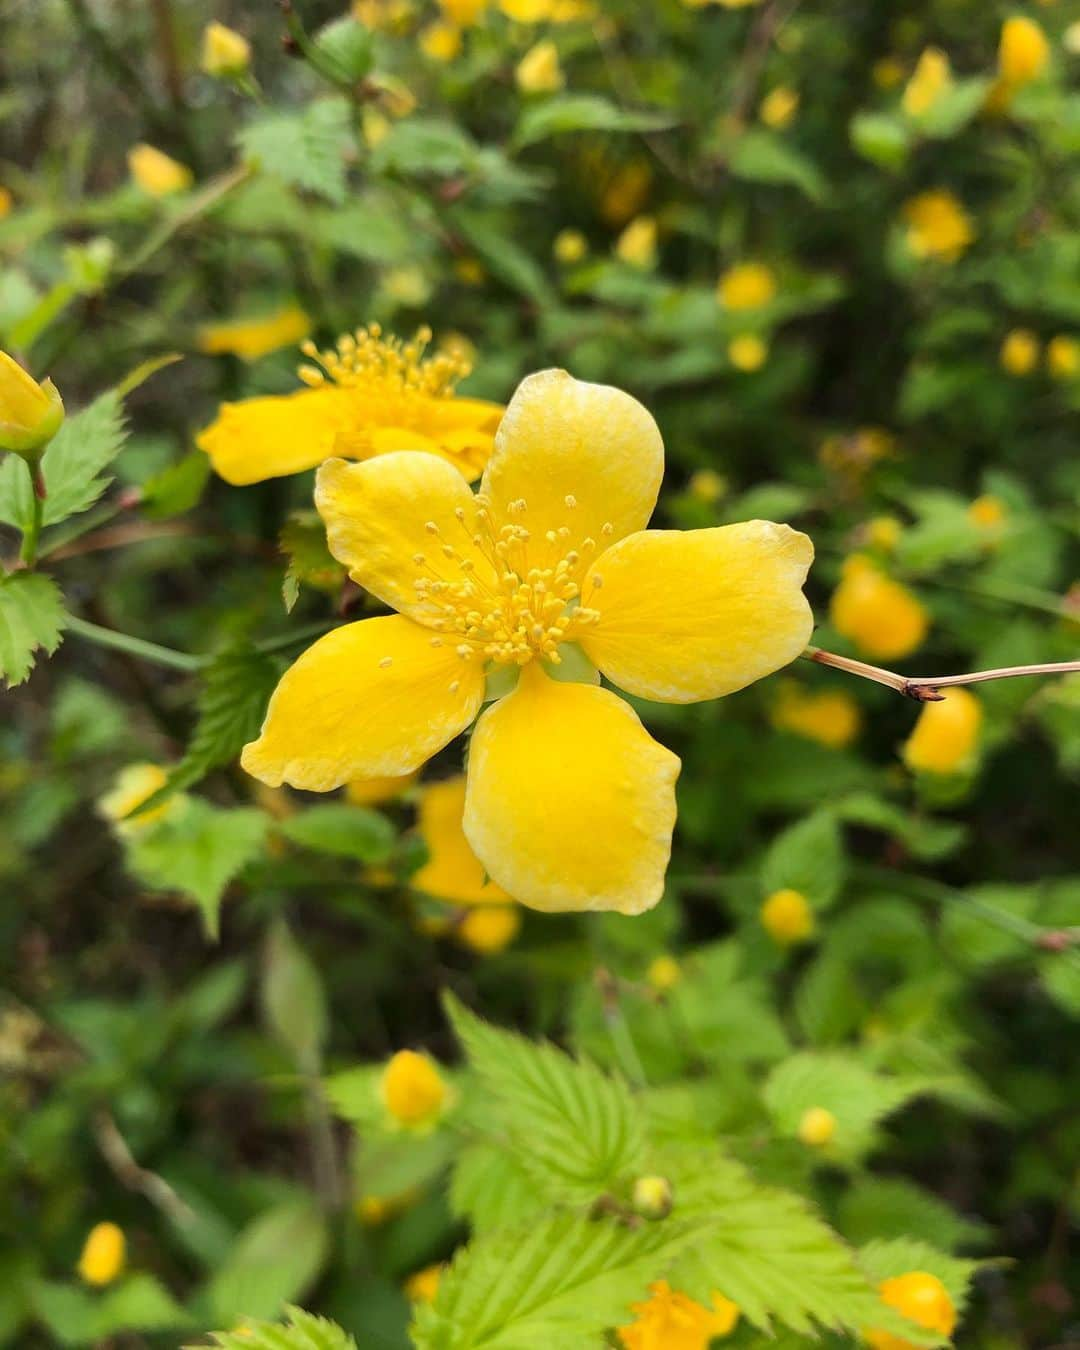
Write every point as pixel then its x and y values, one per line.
pixel 134 646
pixel 28 549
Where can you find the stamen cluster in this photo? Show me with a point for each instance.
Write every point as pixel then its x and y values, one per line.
pixel 388 369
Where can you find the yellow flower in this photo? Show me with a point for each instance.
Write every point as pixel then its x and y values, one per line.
pixel 817 1127
pixel 746 286
pixel 883 532
pixel 1019 352
pixel 569 802
pixel 931 78
pixel 156 172
pixel 489 928
pixel 626 191
pixel 938 226
pixel 372 395
pixel 382 16
pixel 1023 51
pixel 1063 357
pixel 637 243
pixel 787 917
pixel 30 413
pixel 672 1320
pixel 652 1197
pixel 372 791
pixel 132 787
pixel 881 617
pixel 664 973
pixel 748 352
pixel 251 338
pixel 423 1285
pixel 779 106
pixel 887 72
pixel 831 717
pixel 526 11
pixel 224 52
pixel 539 71
pixel 103 1254
pixel 706 485
pixel 6 202
pixel 921 1298
pixel 453 871
pixel 463 13
pixel 987 512
pixel 570 246
pixel 412 1089
pixel 441 42
pixel 946 734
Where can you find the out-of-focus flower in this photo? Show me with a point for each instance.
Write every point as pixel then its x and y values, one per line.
pixel 547 11
pixel 706 485
pixel 652 1197
pixel 488 929
pixel 6 202
pixel 884 533
pixel 373 394
pixel 539 71
pixel 787 917
pixel 1063 357
pixel 923 1299
pixel 374 125
pixel 452 872
pixel 779 106
pixel 855 454
pixel 570 246
pixel 1023 51
pixel 672 1320
pixel 880 616
pixel 937 226
pixel 626 191
pixel 464 13
pixel 103 1254
pixel 251 338
pixel 224 51
pixel 946 735
pixel 441 41
pixel 470 271
pixel 1019 353
pixel 156 172
pixel 133 786
pixel 423 1285
pixel 987 512
pixel 30 413
pixel 373 791
pixel 746 286
pixel 817 1127
pixel 382 16
pixel 888 72
pixel 748 352
pixel 637 243
pixel 931 79
pixel 664 973
pixel 412 1089
pixel 831 717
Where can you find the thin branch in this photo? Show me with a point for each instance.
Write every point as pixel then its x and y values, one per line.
pixel 114 1149
pixel 134 646
pixel 925 688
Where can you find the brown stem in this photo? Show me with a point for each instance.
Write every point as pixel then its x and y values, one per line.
pixel 114 1149
pixel 925 688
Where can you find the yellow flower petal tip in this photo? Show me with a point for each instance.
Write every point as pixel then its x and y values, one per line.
pixel 672 1320
pixel 412 1089
pixel 637 243
pixel 830 717
pixel 539 70
pixel 931 79
pixel 938 227
pixel 30 413
pixel 134 785
pixel 787 917
pixel 748 285
pixel 251 338
pixel 817 1127
pixel 652 1197
pixel 103 1254
pixel 156 173
pixel 880 616
pixel 664 973
pixel 488 929
pixel 921 1298
pixel 224 52
pixel 423 1285
pixel 1020 351
pixel 1023 51
pixel 946 735
pixel 452 872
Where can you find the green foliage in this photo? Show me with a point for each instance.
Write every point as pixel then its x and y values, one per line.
pixel 581 112
pixel 301 1332
pixel 809 858
pixel 74 1316
pixel 305 150
pixel 31 619
pixel 343 831
pixel 274 1261
pixel 293 999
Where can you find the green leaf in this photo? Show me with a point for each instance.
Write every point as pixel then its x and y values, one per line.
pixel 954 108
pixel 511 263
pixel 424 147
pixel 924 838
pixel 139 1303
pixel 293 998
pixel 884 1260
pixel 807 857
pixel 303 540
pixel 31 618
pixel 303 1331
pixel 342 830
pixel 881 138
pixel 177 488
pixel 582 112
pixel 761 157
pixel 554 1285
pixel 348 45
pixel 576 1131
pixel 491 1188
pixel 891 1207
pixel 274 1260
pixel 305 149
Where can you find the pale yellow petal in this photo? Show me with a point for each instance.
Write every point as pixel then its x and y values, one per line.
pixel 371 699
pixel 686 615
pixel 570 803
pixel 452 871
pixel 270 437
pixel 584 457
pixel 391 519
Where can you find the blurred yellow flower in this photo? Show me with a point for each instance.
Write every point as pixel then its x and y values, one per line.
pixel 224 51
pixel 555 765
pixel 779 106
pixel 987 512
pixel 526 11
pixel 489 928
pixel 453 871
pixel 706 485
pixel 637 243
pixel 412 1088
pixel 664 973
pixel 374 394
pixel 946 735
pixel 1019 352
pixel 251 338
pixel 829 716
pixel 888 72
pixel 464 13
pixel 30 413
pixel 880 616
pixel 931 79
pixel 938 226
pixel 672 1320
pixel 1023 51
pixel 626 191
pixel 746 286
pixel 652 1197
pixel 748 352
pixel 539 71
pixel 132 786
pixel 923 1299
pixel 1063 357
pixel 570 246
pixel 6 202
pixel 470 271
pixel 382 15
pixel 787 917
pixel 441 41
pixel 884 533
pixel 156 172
pixel 103 1254
pixel 817 1127
pixel 423 1285
pixel 372 791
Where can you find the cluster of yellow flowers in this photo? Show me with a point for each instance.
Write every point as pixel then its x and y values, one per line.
pixel 1021 350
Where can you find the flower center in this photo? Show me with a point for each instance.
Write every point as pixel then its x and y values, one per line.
pixel 528 607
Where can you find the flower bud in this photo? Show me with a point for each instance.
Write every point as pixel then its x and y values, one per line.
pixel 637 243
pixel 748 352
pixel 946 734
pixel 664 973
pixel 570 246
pixel 787 917
pixel 1019 352
pixel 746 286
pixel 931 79
pixel 157 173
pixel 225 53
pixel 539 71
pixel 30 413
pixel 487 929
pixel 103 1253
pixel 1023 51
pixel 423 1285
pixel 817 1127
pixel 1063 357
pixel 412 1089
pixel 441 42
pixel 708 486
pixel 652 1197
pixel 920 1297
pixel 778 107
pixel 881 617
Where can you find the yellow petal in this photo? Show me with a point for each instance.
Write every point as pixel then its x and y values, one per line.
pixel 452 871
pixel 369 700
pixel 270 437
pixel 378 514
pixel 584 456
pixel 372 791
pixel 570 803
pixel 695 614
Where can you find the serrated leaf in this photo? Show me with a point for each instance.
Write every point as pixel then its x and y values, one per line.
pixel 762 157
pixel 424 146
pixel 883 1260
pixel 577 1131
pixel 32 619
pixel 491 1188
pixel 582 112
pixel 892 1207
pixel 342 830
pixel 274 1260
pixel 305 149
pixel 303 1331
pixel 807 857
pixel 303 541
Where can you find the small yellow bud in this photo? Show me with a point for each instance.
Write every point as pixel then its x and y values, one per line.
pixel 946 735
pixel 748 352
pixel 779 106
pixel 1019 353
pixel 881 617
pixel 470 271
pixel 570 246
pixel 932 78
pixel 463 13
pixel 937 226
pixel 921 1298
pixel 708 486
pixel 441 42
pixel 883 532
pixel 157 173
pixel 637 243
pixel 787 917
pixel 103 1254
pixel 132 786
pixel 539 71
pixel 372 791
pixel 1063 357
pixel 6 202
pixel 1023 51
pixel 987 512
pixel 652 1197
pixel 423 1285
pixel 887 73
pixel 830 717
pixel 412 1089
pixel 489 928
pixel 30 413
pixel 664 973
pixel 746 286
pixel 817 1127
pixel 224 51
